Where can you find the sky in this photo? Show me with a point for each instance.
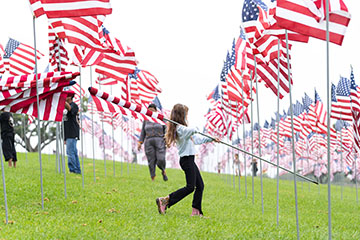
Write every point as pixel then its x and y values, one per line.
pixel 184 44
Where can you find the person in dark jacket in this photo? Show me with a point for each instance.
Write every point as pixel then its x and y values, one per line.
pixel 71 132
pixel 152 135
pixel 8 138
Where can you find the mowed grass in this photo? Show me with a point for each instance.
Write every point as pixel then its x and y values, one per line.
pixel 123 207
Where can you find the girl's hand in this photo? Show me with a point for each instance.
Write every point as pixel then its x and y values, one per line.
pixel 217 139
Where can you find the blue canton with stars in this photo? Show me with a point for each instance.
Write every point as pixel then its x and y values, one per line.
pixel 343 87
pixel 11 47
pixel 250 10
pixel 333 93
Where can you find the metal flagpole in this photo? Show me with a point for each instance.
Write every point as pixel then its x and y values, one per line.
pixel 92 126
pixel 3 180
pixel 38 113
pixel 341 160
pixel 24 135
pixel 252 140
pixel 278 137
pixel 357 199
pixel 63 156
pixel 328 115
pixel 113 137
pixel 122 148
pixel 258 117
pixel 81 133
pixel 292 135
pixel 244 135
pixel 237 133
pixel 103 137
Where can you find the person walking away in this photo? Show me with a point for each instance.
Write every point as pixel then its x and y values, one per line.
pixel 237 165
pixel 8 138
pixel 71 130
pixel 185 139
pixel 152 134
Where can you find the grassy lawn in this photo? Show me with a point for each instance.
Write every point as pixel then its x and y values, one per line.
pixel 123 207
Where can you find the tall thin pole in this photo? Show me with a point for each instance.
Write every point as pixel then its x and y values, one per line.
pixel 24 135
pixel 258 117
pixel 38 112
pixel 63 156
pixel 341 161
pixel 122 152
pixel 356 185
pixel 103 137
pixel 292 135
pixel 3 180
pixel 328 115
pixel 113 137
pixel 92 126
pixel 244 135
pixel 252 140
pixel 237 133
pixel 81 134
pixel 278 137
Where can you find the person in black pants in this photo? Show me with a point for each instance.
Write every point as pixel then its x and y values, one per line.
pixel 185 139
pixel 8 138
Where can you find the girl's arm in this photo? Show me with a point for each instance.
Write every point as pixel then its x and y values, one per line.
pixel 185 132
pixel 201 139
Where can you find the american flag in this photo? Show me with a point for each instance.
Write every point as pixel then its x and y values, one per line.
pixel 102 80
pixel 341 106
pixel 85 31
pixel 253 26
pixel 320 109
pixel 355 112
pixel 19 58
pixel 118 64
pixel 354 93
pixel 58 55
pixel 2 66
pixel 307 101
pixel 70 8
pixel 86 57
pixel 306 18
pixel 18 94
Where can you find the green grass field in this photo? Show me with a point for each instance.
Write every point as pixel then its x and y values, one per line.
pixel 123 207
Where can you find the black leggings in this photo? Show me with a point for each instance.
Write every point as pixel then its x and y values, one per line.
pixel 193 182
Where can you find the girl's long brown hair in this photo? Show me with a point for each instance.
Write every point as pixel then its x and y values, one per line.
pixel 178 114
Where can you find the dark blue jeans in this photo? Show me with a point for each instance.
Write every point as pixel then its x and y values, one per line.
pixel 73 158
pixel 193 182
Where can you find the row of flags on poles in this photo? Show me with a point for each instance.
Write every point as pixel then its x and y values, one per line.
pixel 77 37
pixel 262 55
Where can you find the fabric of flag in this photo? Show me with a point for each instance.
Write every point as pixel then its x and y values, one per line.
pixel 70 8
pixel 355 113
pixel 19 95
pixel 85 31
pixel 354 93
pixel 119 64
pixel 275 30
pixel 341 105
pixel 86 57
pixel 2 66
pixel 58 56
pixel 306 18
pixel 253 26
pixel 145 87
pixel 114 104
pixel 20 58
pixel 102 80
pixel 320 109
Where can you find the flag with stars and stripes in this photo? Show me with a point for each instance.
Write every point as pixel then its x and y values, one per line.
pixel 19 58
pixel 341 105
